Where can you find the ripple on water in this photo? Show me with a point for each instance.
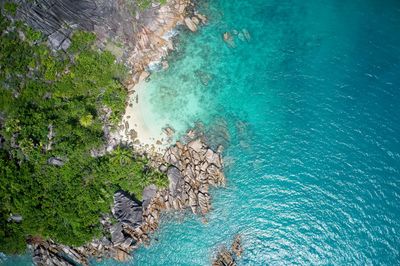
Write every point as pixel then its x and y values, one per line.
pixel 307 110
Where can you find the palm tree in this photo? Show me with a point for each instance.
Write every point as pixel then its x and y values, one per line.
pixel 86 120
pixel 122 156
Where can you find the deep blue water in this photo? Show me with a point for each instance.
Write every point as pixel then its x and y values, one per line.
pixel 311 104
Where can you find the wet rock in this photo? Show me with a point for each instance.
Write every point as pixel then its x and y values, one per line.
pixel 144 76
pixel 202 18
pixel 224 258
pixel 190 24
pixel 121 255
pixel 195 20
pixel 236 247
pixel 228 38
pixel 169 131
pixel 229 257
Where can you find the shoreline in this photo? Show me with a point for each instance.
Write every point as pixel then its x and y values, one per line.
pixel 155 42
pixel 191 167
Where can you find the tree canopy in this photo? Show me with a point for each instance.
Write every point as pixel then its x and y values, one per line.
pixel 52 109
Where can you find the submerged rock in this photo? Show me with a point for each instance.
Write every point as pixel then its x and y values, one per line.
pixel 246 34
pixel 226 257
pixel 236 247
pixel 228 38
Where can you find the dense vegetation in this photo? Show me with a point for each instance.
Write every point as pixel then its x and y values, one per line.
pixel 52 107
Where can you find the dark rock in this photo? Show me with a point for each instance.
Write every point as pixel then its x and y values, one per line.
pixel 117 237
pixel 126 209
pixel 148 193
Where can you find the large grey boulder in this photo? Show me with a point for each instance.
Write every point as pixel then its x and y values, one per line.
pixel 126 209
pixel 117 237
pixel 148 193
pixel 60 40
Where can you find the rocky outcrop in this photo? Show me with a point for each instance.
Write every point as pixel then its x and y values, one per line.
pixel 144 34
pixel 48 253
pixel 153 40
pixel 126 210
pixel 236 246
pixel 227 257
pixel 224 258
pixel 192 168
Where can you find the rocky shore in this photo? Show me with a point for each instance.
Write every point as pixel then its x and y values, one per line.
pixel 141 39
pixel 191 169
pixel 229 257
pixel 155 41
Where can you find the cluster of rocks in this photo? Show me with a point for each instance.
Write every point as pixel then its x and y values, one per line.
pixel 229 37
pixel 154 37
pixel 191 168
pixel 136 36
pixel 227 257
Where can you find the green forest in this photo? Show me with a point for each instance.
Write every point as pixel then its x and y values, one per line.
pixel 52 110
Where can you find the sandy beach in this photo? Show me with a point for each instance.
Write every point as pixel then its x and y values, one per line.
pixel 136 127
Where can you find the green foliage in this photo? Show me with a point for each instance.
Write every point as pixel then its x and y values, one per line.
pixel 51 107
pixel 82 41
pixel 11 8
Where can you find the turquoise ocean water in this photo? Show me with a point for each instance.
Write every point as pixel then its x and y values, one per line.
pixel 308 109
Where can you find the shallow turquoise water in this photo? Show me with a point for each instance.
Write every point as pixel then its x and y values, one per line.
pixel 311 104
pixel 312 108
